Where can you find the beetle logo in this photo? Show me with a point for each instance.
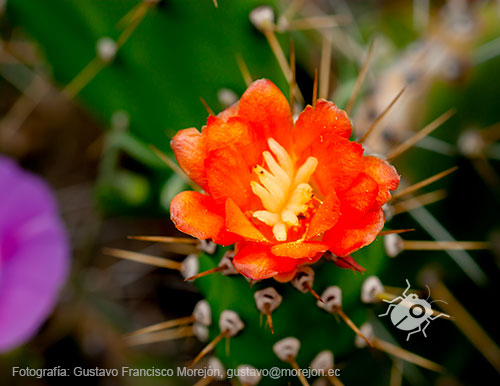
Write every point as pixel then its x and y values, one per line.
pixel 412 313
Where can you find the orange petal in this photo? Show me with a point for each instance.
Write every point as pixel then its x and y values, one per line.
pixel 231 111
pixel 386 176
pixel 228 177
pixel 358 199
pixel 257 262
pixel 313 122
pixel 236 135
pixel 339 162
pixel 285 277
pixel 267 110
pixel 237 222
pixel 325 217
pixel 298 249
pixel 196 214
pixel 190 150
pixel 343 240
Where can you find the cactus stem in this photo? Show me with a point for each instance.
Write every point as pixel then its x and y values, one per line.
pixel 351 324
pixel 207 107
pixel 405 355
pixel 162 326
pixel 161 336
pixel 176 169
pixel 143 258
pixel 420 134
pixel 206 273
pixel 421 184
pixel 360 79
pixel 395 231
pixel 296 367
pixel 381 116
pixel 209 347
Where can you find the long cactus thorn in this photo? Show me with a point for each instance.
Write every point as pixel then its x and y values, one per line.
pixel 267 300
pixel 160 336
pixel 381 116
pixel 263 19
pixel 245 73
pixel 293 80
pixel 360 79
pixel 287 350
pixel 417 202
pixel 395 351
pixel 207 107
pixel 303 281
pixel 143 258
pixel 394 245
pixel 209 347
pixel 312 22
pixel 395 231
pixel 217 369
pixel 230 324
pixel 172 165
pixel 420 135
pixel 465 322
pixel 353 327
pixel 315 89
pixel 166 239
pixel 225 266
pixel 333 305
pixel 424 245
pixel 205 273
pixel 422 184
pixel 407 356
pixel 325 67
pixel 162 326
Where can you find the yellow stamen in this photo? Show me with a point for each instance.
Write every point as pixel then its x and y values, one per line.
pixel 283 190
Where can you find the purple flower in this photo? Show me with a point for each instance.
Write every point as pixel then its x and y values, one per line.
pixel 34 254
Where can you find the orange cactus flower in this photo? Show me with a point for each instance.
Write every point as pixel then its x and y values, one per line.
pixel 284 193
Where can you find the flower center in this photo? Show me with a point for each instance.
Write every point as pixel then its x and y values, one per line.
pixel 284 190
